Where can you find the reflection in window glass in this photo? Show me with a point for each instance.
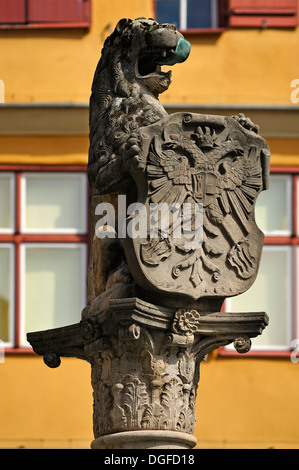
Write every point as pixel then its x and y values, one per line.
pixel 271 293
pixel 273 207
pixel 53 278
pixel 199 14
pixel 168 11
pixel 188 14
pixel 6 203
pixel 5 292
pixel 54 203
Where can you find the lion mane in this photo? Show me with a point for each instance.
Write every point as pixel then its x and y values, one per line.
pixel 127 82
pixel 125 89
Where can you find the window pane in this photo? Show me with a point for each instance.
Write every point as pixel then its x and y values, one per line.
pixel 53 290
pixel 199 14
pixel 168 11
pixel 273 207
pixel 270 293
pixel 6 203
pixel 54 203
pixel 6 298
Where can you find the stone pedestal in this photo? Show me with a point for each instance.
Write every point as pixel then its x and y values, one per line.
pixel 145 363
pixel 152 439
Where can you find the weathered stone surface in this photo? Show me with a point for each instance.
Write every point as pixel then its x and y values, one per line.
pixel 145 440
pixel 125 90
pixel 145 360
pixel 217 163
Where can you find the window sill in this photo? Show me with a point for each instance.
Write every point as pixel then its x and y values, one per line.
pixel 20 350
pixel 203 31
pixel 82 24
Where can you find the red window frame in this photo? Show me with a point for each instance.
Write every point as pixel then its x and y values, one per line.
pixel 18 238
pixel 291 241
pixel 29 14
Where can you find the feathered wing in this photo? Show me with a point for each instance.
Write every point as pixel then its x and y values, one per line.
pixel 170 186
pixel 239 186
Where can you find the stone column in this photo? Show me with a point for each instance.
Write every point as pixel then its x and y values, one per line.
pixel 145 363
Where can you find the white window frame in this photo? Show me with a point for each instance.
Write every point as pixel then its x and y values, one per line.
pixel 22 333
pixel 12 184
pixel 296 319
pixel 288 231
pixel 289 306
pixel 183 15
pixel 65 231
pixel 297 206
pixel 10 343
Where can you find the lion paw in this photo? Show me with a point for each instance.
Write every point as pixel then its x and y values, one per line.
pixel 246 123
pixel 131 157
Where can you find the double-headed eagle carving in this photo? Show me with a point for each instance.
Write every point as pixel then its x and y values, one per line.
pixel 213 163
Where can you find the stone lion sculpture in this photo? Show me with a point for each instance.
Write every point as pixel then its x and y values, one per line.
pixel 127 82
pixel 125 98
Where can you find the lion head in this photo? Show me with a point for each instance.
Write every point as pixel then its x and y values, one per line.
pixel 125 89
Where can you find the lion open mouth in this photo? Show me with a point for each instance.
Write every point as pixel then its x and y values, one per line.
pixel 150 61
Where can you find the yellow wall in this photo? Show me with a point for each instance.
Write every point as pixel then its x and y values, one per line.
pixel 242 402
pixel 248 403
pixel 44 150
pixel 58 65
pixel 73 150
pixel 237 66
pixel 42 407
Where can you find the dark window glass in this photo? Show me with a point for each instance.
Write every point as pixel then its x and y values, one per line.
pixel 168 11
pixel 199 14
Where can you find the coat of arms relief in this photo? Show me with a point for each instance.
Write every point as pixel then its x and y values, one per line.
pixel 202 173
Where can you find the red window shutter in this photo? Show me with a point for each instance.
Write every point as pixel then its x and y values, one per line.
pixel 12 11
pixel 263 13
pixel 58 11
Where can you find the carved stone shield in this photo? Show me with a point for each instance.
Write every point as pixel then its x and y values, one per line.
pixel 214 167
